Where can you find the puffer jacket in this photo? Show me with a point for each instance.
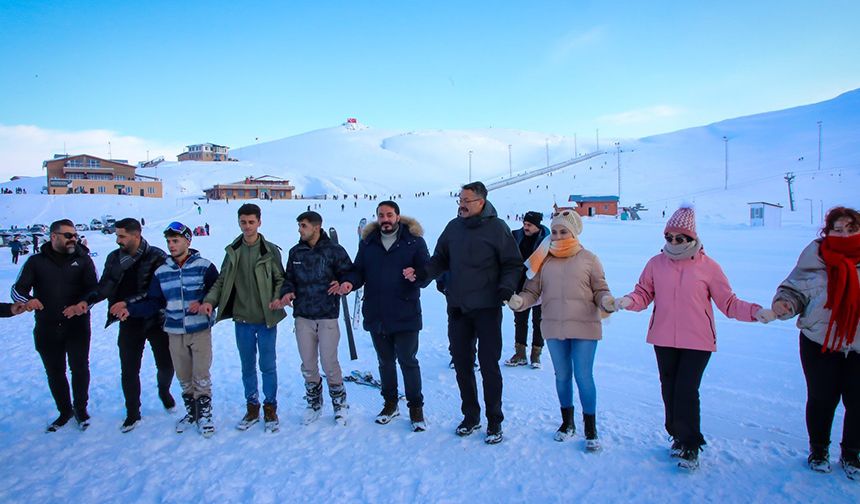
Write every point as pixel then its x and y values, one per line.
pixel 309 272
pixel 805 290
pixel 571 289
pixel 391 304
pixel 682 291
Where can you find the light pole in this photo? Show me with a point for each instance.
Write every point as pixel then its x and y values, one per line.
pixel 470 166
pixel 819 145
pixel 726 140
pixel 574 146
pixel 547 151
pixel 597 136
pixel 810 209
pixel 510 164
pixel 618 159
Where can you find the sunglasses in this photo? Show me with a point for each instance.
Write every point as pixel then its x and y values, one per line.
pixel 564 213
pixel 679 239
pixel 67 236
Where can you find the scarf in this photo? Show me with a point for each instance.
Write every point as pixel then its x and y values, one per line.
pixel 126 260
pixel 678 252
pixel 567 247
pixel 841 256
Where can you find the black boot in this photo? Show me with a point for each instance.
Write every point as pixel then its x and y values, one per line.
pixel 592 444
pixel 567 428
pixel 819 458
pixel 205 425
pixel 190 417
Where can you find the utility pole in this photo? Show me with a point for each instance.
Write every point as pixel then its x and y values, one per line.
pixel 789 177
pixel 597 136
pixel 810 209
pixel 726 140
pixel 510 164
pixel 110 155
pixel 575 154
pixel 547 151
pixel 618 160
pixel 470 166
pixel 819 145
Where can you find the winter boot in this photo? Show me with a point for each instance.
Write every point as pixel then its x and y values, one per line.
pixel 313 395
pixel 338 400
pixel 389 411
pixel 592 444
pixel 494 434
pixel 270 416
pixel 82 417
pixel 190 417
pixel 251 417
pixel 819 458
pixel 416 416
pixel 519 357
pixel 850 463
pixel 567 429
pixel 689 458
pixel 467 427
pixel 205 425
pixel 166 399
pixel 131 421
pixel 61 420
pixel 676 449
pixel 535 357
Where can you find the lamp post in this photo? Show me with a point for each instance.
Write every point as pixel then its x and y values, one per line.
pixel 574 146
pixel 726 140
pixel 618 160
pixel 819 145
pixel 470 166
pixel 810 209
pixel 510 164
pixel 547 151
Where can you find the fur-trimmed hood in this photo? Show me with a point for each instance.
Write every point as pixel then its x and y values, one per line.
pixel 412 225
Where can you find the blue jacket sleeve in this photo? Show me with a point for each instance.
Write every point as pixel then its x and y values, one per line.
pixel 149 305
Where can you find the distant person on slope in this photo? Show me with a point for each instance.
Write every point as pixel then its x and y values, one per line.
pixel 528 238
pixel 251 276
pixel 315 268
pixel 570 281
pixel 59 276
pixel 16 246
pixel 824 291
pixel 682 281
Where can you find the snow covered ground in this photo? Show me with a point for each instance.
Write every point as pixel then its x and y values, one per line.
pixel 753 393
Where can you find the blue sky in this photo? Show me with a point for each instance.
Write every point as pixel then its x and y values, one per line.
pixel 229 72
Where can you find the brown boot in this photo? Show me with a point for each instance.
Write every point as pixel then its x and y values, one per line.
pixel 416 415
pixel 519 357
pixel 251 417
pixel 535 357
pixel 270 416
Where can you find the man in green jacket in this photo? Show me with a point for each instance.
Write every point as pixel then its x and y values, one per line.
pixel 250 280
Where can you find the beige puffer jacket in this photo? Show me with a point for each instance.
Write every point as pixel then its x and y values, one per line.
pixel 805 290
pixel 570 290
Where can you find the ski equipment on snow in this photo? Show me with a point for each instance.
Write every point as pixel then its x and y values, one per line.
pixel 353 355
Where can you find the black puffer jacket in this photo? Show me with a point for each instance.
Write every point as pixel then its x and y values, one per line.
pixel 113 274
pixel 308 273
pixel 58 281
pixel 482 258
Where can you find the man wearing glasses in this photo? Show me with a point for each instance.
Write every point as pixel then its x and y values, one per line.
pixel 59 276
pixel 484 265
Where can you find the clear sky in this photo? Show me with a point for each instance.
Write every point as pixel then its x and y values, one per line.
pixel 178 72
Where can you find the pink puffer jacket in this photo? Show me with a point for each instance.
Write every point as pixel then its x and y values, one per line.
pixel 682 292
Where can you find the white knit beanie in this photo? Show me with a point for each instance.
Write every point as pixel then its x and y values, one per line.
pixel 569 219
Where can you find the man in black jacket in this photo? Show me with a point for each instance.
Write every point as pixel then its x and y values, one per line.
pixel 315 267
pixel 125 279
pixel 60 275
pixel 392 304
pixel 484 265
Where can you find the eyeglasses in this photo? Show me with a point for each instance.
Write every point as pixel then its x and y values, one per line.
pixel 465 201
pixel 67 236
pixel 679 239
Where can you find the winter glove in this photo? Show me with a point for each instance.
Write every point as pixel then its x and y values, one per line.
pixel 504 294
pixel 623 303
pixel 607 303
pixel 515 303
pixel 765 315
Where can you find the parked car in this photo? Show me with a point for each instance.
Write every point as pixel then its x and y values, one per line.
pixel 38 228
pixel 81 227
pixel 108 229
pixel 96 224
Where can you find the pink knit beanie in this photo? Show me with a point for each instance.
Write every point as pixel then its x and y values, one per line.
pixel 683 221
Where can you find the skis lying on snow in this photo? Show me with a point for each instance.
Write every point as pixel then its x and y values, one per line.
pixel 353 355
pixel 365 378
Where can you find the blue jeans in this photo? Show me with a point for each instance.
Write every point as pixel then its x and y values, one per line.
pixel 250 338
pixel 574 359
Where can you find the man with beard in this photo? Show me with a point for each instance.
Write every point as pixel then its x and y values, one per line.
pixel 125 279
pixel 60 275
pixel 484 265
pixel 392 305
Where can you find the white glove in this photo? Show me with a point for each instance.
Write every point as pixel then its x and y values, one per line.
pixel 765 315
pixel 608 304
pixel 515 303
pixel 623 303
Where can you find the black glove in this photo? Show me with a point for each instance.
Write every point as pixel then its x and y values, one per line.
pixel 504 294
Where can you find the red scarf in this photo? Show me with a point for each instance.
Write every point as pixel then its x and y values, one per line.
pixel 841 254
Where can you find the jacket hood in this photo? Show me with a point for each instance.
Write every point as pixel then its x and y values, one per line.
pixel 411 225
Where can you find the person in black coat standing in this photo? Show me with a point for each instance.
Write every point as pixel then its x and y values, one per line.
pixel 392 304
pixel 59 276
pixel 484 265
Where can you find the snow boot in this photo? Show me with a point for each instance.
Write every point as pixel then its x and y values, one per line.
pixel 819 458
pixel 82 417
pixel 205 425
pixel 567 429
pixel 389 411
pixel 190 417
pixel 535 357
pixel 592 443
pixel 61 420
pixel 519 357
pixel 467 427
pixel 338 401
pixel 416 416
pixel 850 464
pixel 313 395
pixel 270 416
pixel 252 416
pixel 494 434
pixel 676 449
pixel 167 400
pixel 131 421
pixel 689 458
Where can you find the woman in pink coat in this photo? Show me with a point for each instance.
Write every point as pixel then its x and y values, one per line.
pixel 682 281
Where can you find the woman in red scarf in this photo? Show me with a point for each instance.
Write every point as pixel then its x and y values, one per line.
pixel 824 289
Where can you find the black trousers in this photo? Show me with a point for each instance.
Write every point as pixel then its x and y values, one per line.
pixel 521 326
pixel 681 372
pixel 831 377
pixel 485 325
pixel 399 347
pixel 131 341
pixel 56 341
